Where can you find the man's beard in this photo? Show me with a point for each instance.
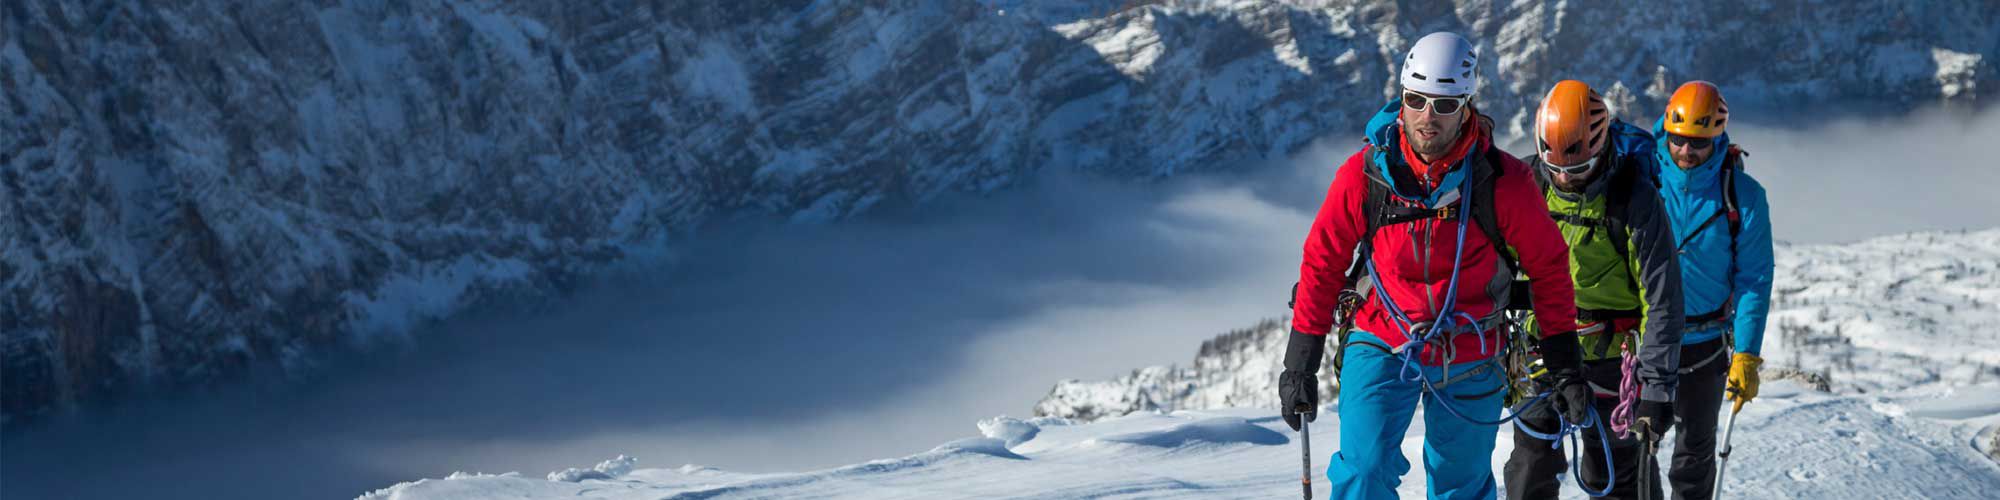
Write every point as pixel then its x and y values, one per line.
pixel 1574 183
pixel 1435 146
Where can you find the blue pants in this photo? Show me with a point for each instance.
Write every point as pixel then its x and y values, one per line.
pixel 1375 411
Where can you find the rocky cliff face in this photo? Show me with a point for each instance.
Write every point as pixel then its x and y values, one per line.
pixel 190 188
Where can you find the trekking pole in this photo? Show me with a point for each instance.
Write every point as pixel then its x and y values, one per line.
pixel 1305 453
pixel 1647 448
pixel 1722 457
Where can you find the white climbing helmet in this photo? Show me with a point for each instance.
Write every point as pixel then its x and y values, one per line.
pixel 1441 63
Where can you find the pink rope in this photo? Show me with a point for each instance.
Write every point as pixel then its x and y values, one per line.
pixel 1628 390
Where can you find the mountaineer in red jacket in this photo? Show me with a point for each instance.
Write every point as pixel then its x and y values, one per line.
pixel 1443 222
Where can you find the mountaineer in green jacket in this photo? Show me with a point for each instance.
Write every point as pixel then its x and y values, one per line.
pixel 1594 174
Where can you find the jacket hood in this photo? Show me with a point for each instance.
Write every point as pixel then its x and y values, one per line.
pixel 1699 177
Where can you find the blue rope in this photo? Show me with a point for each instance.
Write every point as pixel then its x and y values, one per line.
pixel 1448 322
pixel 1567 429
pixel 1439 332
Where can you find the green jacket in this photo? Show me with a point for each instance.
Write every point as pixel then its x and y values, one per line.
pixel 1622 261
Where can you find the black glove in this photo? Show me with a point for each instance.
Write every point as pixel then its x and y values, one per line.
pixel 1298 386
pixel 1653 419
pixel 1298 392
pixel 1563 357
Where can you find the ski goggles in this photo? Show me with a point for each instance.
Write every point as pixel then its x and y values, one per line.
pixel 1682 141
pixel 1439 105
pixel 1577 169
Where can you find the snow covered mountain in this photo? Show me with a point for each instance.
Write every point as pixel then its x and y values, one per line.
pixel 193 188
pixel 1897 314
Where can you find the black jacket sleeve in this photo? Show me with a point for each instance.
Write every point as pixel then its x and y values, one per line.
pixel 1659 278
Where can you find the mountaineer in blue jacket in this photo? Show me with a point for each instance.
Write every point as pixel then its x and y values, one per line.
pixel 1722 231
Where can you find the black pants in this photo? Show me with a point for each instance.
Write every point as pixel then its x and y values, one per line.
pixel 1532 468
pixel 1697 404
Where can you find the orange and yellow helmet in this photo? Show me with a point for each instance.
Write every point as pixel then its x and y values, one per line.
pixel 1696 110
pixel 1572 124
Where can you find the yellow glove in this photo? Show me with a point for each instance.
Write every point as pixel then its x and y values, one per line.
pixel 1743 377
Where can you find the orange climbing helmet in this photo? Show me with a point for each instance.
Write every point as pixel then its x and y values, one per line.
pixel 1696 110
pixel 1572 125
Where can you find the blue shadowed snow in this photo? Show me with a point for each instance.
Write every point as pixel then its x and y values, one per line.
pixel 1218 430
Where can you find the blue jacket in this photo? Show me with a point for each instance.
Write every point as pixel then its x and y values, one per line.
pixel 1713 274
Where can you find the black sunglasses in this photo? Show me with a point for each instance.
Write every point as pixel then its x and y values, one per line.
pixel 1690 142
pixel 1439 105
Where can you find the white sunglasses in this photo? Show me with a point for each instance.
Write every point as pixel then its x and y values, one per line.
pixel 1439 105
pixel 1577 169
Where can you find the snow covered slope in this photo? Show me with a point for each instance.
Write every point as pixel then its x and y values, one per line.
pixel 1911 313
pixel 1881 386
pixel 1223 376
pixel 1792 443
pixel 190 188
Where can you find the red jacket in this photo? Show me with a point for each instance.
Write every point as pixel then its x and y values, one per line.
pixel 1523 219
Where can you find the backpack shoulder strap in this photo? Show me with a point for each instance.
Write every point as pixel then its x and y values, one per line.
pixel 1375 204
pixel 1730 165
pixel 1374 207
pixel 1617 202
pixel 1486 180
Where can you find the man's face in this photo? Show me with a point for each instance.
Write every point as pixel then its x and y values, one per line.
pixel 1429 132
pixel 1573 178
pixel 1572 183
pixel 1689 152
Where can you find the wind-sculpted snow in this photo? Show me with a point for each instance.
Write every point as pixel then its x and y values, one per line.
pixel 194 188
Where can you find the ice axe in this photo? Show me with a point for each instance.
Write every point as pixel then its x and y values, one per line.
pixel 1722 457
pixel 1305 450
